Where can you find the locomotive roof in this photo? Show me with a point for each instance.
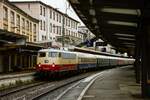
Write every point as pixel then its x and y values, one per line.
pixel 54 50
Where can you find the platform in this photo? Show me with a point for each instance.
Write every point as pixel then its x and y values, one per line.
pixel 119 84
pixel 12 78
pixel 16 74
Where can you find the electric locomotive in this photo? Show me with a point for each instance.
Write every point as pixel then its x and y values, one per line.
pixel 51 60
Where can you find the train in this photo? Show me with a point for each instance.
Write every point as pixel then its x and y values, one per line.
pixel 52 61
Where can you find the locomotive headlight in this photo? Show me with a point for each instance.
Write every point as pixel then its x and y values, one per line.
pixel 39 65
pixel 53 65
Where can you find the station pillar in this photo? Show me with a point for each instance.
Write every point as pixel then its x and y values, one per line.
pixel 137 63
pixel 145 61
pixel 145 52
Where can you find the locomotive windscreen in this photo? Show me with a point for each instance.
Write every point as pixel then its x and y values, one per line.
pixel 42 54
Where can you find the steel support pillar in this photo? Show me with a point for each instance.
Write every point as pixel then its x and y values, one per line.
pixel 145 48
pixel 145 58
pixel 145 64
pixel 137 63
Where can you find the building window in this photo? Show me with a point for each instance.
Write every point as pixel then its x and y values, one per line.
pixel 43 37
pixel 18 20
pixel 53 15
pixel 23 23
pixel 34 28
pixel 27 25
pixel 50 29
pixel 5 12
pixel 40 10
pixel 69 32
pixel 34 31
pixel 62 19
pixel 30 27
pixel 72 34
pixel 12 20
pixel 57 17
pixel 44 10
pixel 76 25
pixel 53 28
pixel 44 25
pixel 60 31
pixel 50 13
pixel 66 22
pixel 50 38
pixel 69 22
pixel 57 30
pixel 41 24
pixel 34 39
pixel 66 32
pixel 73 24
pixel 18 23
pixel 12 17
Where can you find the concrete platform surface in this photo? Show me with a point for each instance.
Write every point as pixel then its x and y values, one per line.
pixel 119 84
pixel 15 74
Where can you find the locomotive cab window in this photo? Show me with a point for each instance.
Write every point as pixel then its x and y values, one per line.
pixel 42 54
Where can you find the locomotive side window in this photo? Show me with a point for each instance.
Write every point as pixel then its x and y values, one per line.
pixel 68 56
pixel 42 54
pixel 53 54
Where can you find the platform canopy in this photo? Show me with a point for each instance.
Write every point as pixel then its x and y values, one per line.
pixel 115 21
pixel 10 38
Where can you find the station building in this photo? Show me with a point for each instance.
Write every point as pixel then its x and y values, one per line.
pixel 87 34
pixel 53 23
pixel 17 21
pixel 18 32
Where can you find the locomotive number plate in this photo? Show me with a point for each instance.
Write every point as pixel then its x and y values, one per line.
pixel 46 61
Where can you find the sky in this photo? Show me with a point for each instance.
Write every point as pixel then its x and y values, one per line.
pixel 61 5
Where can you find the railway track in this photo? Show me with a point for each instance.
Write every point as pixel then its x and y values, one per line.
pixel 74 90
pixel 36 91
pixel 13 90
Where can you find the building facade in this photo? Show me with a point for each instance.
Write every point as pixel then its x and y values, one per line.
pixel 17 30
pixel 87 34
pixel 15 20
pixel 53 23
